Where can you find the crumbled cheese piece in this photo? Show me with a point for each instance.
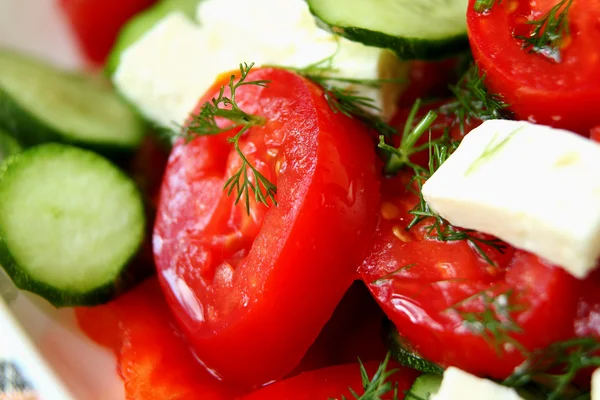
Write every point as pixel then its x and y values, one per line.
pixel 165 72
pixel 460 385
pixel 533 186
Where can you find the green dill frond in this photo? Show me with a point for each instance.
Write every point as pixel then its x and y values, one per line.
pixel 495 322
pixel 393 273
pixel 206 123
pixel 483 6
pixel 549 32
pixel 554 368
pixel 343 100
pixel 440 150
pixel 473 101
pixel 375 387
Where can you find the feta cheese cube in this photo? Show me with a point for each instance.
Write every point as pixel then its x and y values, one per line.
pixel 533 186
pixel 165 72
pixel 460 385
pixel 596 385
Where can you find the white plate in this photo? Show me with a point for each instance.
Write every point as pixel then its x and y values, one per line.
pixel 44 344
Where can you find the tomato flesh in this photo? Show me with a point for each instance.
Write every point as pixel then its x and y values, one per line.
pixel 332 383
pixel 561 94
pixel 426 299
pixel 256 287
pixel 595 134
pixel 154 361
pixel 353 332
pixel 96 23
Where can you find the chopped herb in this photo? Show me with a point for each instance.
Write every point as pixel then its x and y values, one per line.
pixel 483 6
pixel 549 32
pixel 493 147
pixel 400 156
pixel 439 151
pixel 346 101
pixel 377 386
pixel 205 123
pixel 495 322
pixel 388 276
pixel 555 367
pixel 473 101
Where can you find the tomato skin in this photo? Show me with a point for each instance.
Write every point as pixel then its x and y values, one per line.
pixel 153 360
pixel 595 134
pixel 96 23
pixel 355 331
pixel 563 95
pixel 330 383
pixel 285 268
pixel 419 299
pixel 429 79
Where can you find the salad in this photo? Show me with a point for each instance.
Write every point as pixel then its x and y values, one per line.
pixel 317 199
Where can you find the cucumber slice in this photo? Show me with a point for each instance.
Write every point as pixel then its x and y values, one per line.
pixel 413 29
pixel 70 221
pixel 424 387
pixel 141 23
pixel 8 146
pixel 39 103
pixel 404 355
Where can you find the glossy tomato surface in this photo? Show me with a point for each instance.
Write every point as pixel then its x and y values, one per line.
pixel 451 305
pixel 562 94
pixel 333 383
pixel 154 361
pixel 595 134
pixel 354 331
pixel 96 23
pixel 252 291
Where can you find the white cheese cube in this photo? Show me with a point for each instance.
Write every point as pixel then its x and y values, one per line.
pixel 596 385
pixel 165 72
pixel 533 186
pixel 460 385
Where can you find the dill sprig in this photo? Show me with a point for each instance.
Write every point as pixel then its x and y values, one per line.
pixel 484 6
pixel 343 100
pixel 205 123
pixel 440 150
pixel 378 385
pixel 400 156
pixel 549 32
pixel 555 367
pixel 473 101
pixel 495 322
pixel 393 273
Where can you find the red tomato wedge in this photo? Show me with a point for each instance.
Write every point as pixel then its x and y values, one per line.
pixel 561 94
pixel 154 361
pixel 430 289
pixel 96 23
pixel 331 383
pixel 251 292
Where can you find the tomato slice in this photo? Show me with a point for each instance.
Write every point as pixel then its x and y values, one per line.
pixel 431 289
pixel 562 94
pixel 96 23
pixel 353 332
pixel 251 292
pixel 331 383
pixel 155 363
